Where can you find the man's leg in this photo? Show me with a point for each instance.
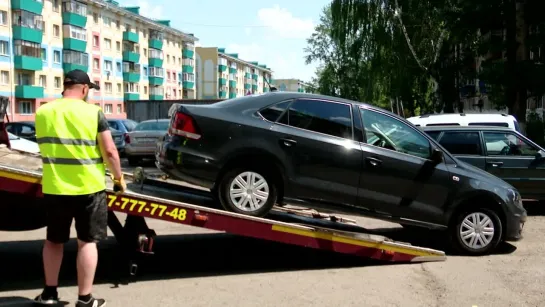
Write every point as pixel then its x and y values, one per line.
pixel 59 215
pixel 92 226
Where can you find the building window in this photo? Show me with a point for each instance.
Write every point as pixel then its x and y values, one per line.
pixel 75 57
pixel 108 44
pixel 57 82
pixel 117 24
pixel 42 81
pixel 25 107
pixel 119 88
pixel 56 31
pixel 107 87
pixel 75 7
pixel 28 20
pixel 118 65
pixel 188 62
pixel 56 5
pixel 188 77
pixel 145 51
pixel 118 109
pixel 168 76
pixel 95 17
pixel 108 66
pixel 145 90
pixel 108 108
pixel 131 87
pixel 107 21
pixel 74 32
pixel 4 77
pixel 4 48
pixel 118 46
pixel 129 67
pixel 168 59
pixel 156 72
pixel 3 18
pixel 145 71
pixel 27 48
pixel 156 54
pixel 44 55
pixel 156 90
pixel 57 56
pixel 96 42
pixel 96 64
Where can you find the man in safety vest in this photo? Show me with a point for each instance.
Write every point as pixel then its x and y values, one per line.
pixel 75 141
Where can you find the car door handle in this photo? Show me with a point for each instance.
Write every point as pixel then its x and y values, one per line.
pixel 495 164
pixel 288 142
pixel 373 161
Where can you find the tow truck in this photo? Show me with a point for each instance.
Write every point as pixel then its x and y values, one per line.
pixel 159 198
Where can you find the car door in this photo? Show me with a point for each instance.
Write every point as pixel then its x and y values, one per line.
pixel 513 158
pixel 28 132
pixel 397 177
pixel 466 145
pixel 323 160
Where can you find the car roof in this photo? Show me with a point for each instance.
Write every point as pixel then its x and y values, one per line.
pixel 155 120
pixel 295 95
pixel 443 115
pixel 456 127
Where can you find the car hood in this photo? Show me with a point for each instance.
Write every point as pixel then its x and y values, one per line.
pixel 480 174
pixel 21 144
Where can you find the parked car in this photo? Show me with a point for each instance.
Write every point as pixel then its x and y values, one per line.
pixel 500 151
pixel 336 155
pixel 462 119
pixel 21 144
pixel 24 129
pixel 141 142
pixel 119 140
pixel 123 125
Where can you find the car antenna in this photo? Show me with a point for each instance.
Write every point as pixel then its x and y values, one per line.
pixel 271 88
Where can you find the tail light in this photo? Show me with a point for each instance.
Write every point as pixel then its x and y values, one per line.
pixel 127 138
pixel 184 125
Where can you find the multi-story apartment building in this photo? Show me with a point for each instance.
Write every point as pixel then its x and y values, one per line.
pixel 128 55
pixel 291 85
pixel 222 75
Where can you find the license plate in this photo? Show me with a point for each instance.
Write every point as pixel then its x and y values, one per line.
pixel 117 139
pixel 147 140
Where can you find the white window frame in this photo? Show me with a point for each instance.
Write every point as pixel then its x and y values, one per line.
pixel 109 67
pixel 57 82
pixel 56 56
pixel 108 108
pixel 4 48
pixel 131 87
pixel 21 105
pixel 107 44
pixel 4 77
pixel 156 72
pixel 108 88
pixel 75 32
pixel 42 81
pixel 97 62
pixel 3 18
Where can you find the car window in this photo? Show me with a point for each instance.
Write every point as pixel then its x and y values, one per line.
pixel 273 112
pixel 129 124
pixel 489 124
pixel 433 134
pixel 507 144
pixel 461 142
pixel 27 130
pixel 152 126
pixel 113 124
pixel 320 116
pixel 10 128
pixel 387 132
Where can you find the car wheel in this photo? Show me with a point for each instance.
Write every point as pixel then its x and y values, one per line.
pixel 248 191
pixel 476 232
pixel 133 161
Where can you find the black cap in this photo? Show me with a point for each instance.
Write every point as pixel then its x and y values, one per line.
pixel 78 76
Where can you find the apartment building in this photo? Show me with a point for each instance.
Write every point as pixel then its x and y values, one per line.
pixel 130 56
pixel 291 85
pixel 222 75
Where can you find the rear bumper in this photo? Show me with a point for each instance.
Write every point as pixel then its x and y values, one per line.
pixel 147 151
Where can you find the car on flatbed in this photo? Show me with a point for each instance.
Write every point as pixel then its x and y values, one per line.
pixel 336 155
pixel 500 151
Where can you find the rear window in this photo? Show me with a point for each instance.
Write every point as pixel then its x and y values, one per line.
pixel 490 124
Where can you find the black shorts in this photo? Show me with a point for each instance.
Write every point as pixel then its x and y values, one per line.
pixel 89 211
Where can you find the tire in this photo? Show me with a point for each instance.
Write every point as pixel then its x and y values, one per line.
pixel 133 161
pixel 482 247
pixel 265 204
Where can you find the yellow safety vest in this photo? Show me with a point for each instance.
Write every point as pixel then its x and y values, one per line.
pixel 66 132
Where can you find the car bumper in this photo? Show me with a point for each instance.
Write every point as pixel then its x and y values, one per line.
pixel 515 226
pixel 139 151
pixel 185 166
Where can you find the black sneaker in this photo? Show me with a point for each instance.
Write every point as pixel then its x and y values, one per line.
pixel 93 302
pixel 46 301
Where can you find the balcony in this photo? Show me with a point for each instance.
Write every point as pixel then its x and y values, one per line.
pixel 247 75
pixel 27 34
pixel 156 80
pixel 155 62
pixel 188 84
pixel 187 53
pixel 301 90
pixel 254 87
pixel 254 76
pixel 247 86
pixel 232 83
pixel 66 67
pixel 130 56
pixel 131 76
pixel 155 44
pixel 131 96
pixel 69 18
pixel 232 95
pixel 222 94
pixel 187 69
pixel 130 36
pixel 232 70
pixel 32 6
pixel 27 62
pixel 222 81
pixel 222 68
pixel 29 91
pixel 74 44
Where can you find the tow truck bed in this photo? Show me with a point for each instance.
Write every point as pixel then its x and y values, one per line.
pixel 21 176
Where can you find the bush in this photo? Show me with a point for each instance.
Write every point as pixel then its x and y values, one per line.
pixel 535 128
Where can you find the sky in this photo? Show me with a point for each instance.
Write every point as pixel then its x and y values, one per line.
pixel 272 33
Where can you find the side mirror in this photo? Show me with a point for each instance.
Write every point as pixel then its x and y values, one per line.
pixel 540 155
pixel 436 156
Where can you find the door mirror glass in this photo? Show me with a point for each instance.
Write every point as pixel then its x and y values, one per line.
pixel 540 155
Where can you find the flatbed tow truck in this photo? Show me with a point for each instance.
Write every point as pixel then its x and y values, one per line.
pixel 20 197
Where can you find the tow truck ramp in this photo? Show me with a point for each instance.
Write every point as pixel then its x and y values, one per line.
pixel 310 229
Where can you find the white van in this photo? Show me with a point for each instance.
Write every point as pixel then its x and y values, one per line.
pixel 462 119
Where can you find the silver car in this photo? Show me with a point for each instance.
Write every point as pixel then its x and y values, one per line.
pixel 141 142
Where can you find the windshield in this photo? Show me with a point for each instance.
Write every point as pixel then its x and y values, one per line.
pixel 129 124
pixel 152 126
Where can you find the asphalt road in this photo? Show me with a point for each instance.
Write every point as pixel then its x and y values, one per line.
pixel 196 267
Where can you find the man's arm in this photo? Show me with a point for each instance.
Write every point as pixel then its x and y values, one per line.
pixel 107 146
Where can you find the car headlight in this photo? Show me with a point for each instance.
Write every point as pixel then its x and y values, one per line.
pixel 514 196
